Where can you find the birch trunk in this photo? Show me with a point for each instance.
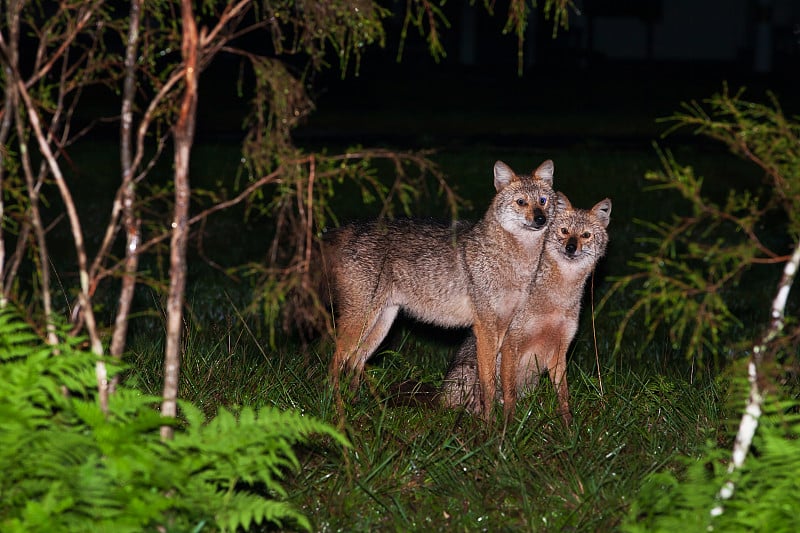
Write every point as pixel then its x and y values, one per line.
pixel 9 107
pixel 130 222
pixel 752 412
pixel 184 135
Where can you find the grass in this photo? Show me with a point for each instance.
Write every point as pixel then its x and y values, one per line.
pixel 430 469
pixel 423 468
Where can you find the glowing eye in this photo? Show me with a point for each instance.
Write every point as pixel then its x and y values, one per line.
pixel 586 235
pixel 543 200
pixel 521 202
pixel 564 231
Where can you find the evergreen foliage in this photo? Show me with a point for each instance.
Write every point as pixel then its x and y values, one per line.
pixel 66 466
pixel 683 279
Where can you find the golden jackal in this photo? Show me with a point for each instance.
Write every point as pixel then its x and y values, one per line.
pixel 540 334
pixel 452 276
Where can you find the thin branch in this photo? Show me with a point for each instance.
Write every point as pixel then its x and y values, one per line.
pixel 228 15
pixel 68 40
pixel 77 237
pixel 152 242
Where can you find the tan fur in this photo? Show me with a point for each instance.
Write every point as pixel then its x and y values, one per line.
pixel 540 334
pixel 452 276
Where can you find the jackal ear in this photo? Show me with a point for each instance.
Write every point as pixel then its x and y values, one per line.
pixel 545 172
pixel 602 210
pixel 562 202
pixel 503 175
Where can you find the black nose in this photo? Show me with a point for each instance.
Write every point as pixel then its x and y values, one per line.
pixel 539 218
pixel 572 246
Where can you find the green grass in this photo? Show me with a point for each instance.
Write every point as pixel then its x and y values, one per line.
pixel 429 469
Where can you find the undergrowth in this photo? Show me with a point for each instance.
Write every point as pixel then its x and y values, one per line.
pixel 68 466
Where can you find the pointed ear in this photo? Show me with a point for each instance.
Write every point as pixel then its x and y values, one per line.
pixel 562 202
pixel 602 210
pixel 545 172
pixel 503 175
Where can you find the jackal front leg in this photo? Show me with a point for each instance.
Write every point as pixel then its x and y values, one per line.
pixel 487 345
pixel 509 365
pixel 558 375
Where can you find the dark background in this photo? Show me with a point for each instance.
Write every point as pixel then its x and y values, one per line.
pixel 619 66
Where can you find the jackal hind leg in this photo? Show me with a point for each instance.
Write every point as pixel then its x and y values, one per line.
pixel 359 340
pixel 461 387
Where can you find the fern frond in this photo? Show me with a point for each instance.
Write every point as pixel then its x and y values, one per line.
pixel 68 466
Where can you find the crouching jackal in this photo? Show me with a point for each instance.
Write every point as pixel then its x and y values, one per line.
pixel 540 334
pixel 453 276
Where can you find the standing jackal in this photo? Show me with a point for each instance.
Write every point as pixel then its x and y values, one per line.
pixel 540 334
pixel 452 276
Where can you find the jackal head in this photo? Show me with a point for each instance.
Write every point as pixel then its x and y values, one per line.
pixel 524 202
pixel 579 235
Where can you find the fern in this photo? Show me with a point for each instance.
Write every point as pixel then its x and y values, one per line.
pixel 67 466
pixel 232 452
pixel 766 488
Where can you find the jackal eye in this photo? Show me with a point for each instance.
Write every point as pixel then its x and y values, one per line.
pixel 521 202
pixel 543 200
pixel 564 231
pixel 586 235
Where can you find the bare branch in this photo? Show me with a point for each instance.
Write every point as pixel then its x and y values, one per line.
pixel 35 219
pixel 83 20
pixel 230 13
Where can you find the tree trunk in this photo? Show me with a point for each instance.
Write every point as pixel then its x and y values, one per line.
pixel 9 109
pixel 35 220
pixel 184 135
pixel 752 411
pixel 129 220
